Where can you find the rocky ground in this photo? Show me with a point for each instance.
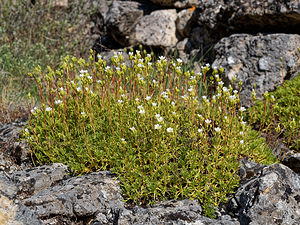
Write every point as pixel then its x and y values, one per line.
pixel 248 39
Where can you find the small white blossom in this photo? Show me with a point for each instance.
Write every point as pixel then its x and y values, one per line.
pixel 179 60
pixel 241 142
pixel 142 111
pixel 217 129
pixel 154 82
pixel 86 88
pixel 132 128
pixel 61 89
pixel 173 103
pixel 220 83
pixel 137 99
pixel 130 53
pixel 225 89
pixel 174 113
pixel 120 101
pixel 48 109
pixel 200 130
pixel 122 139
pixel 157 126
pixel 241 133
pixel 78 88
pixel 235 91
pixel 107 68
pixel 99 56
pixel 208 121
pixel 123 95
pixel 190 89
pixel 243 123
pixel 90 77
pixel 140 65
pixel 192 77
pixel 82 113
pixel 140 107
pixel 242 109
pixel 170 130
pixel 162 58
pixel 148 98
pixel 83 71
pixel 232 97
pixel 149 63
pixel 58 102
pixel 178 68
pixel 154 104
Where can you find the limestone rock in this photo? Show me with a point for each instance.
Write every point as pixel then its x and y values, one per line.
pixel 184 23
pixel 157 29
pixel 122 18
pixel 271 197
pixel 78 197
pixel 257 60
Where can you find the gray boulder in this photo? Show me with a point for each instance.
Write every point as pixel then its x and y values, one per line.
pixel 270 196
pixel 184 23
pixel 122 18
pixel 256 60
pixel 157 29
pixel 176 3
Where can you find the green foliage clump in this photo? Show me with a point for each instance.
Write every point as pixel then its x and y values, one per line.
pixel 166 132
pixel 278 115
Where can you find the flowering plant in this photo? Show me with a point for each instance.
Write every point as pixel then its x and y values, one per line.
pixel 166 132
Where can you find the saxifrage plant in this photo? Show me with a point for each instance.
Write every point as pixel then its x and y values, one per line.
pixel 166 132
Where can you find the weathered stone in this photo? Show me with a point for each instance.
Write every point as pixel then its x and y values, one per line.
pixel 32 181
pixel 173 212
pixel 78 197
pixel 287 157
pixel 122 18
pixel 14 213
pixel 157 29
pixel 176 3
pixel 257 60
pixel 270 197
pixel 184 23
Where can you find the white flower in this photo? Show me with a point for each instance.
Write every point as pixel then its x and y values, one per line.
pixel 142 111
pixel 48 109
pixel 190 89
pixel 207 121
pixel 149 63
pixel 157 126
pixel 179 60
pixel 78 88
pixel 149 55
pixel 241 142
pixel 178 68
pixel 107 68
pixel 123 95
pixel 164 94
pixel 130 53
pixel 61 89
pixel 122 139
pixel 132 128
pixel 170 130
pixel 173 103
pixel 148 98
pixel 137 51
pixel 26 130
pixel 235 91
pixel 154 82
pixel 200 130
pixel 217 76
pixel 174 113
pixel 192 77
pixel 58 102
pixel 207 65
pixel 232 97
pixel 140 107
pixel 33 110
pixel 242 109
pixel 140 65
pixel 243 122
pixel 184 97
pixel 82 113
pixel 99 56
pixel 86 88
pixel 204 97
pixel 220 83
pixel 98 81
pixel 217 129
pixel 83 71
pixel 225 89
pixel 72 82
pixel 120 101
pixel 154 104
pixel 159 118
pixel 90 77
pixel 162 58
pixel 241 133
pixel 137 99
pixel 225 117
